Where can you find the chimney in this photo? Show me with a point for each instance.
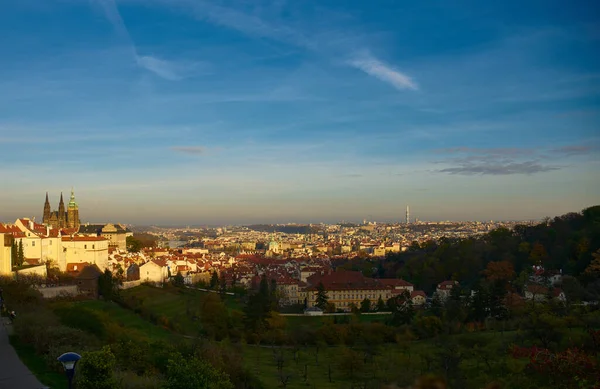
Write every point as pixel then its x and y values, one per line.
pixel 31 224
pixel 47 230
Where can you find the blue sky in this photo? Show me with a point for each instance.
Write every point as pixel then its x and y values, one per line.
pixel 234 111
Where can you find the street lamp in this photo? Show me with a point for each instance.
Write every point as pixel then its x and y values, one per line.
pixel 69 360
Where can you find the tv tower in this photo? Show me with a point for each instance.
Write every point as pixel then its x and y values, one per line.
pixel 407 215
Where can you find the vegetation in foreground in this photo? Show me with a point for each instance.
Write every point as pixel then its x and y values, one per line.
pixel 174 338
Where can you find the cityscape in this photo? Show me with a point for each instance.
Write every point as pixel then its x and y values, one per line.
pixel 233 194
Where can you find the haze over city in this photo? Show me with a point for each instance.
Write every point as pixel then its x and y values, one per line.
pixel 185 112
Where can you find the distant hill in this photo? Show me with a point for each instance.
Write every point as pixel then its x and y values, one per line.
pixel 291 229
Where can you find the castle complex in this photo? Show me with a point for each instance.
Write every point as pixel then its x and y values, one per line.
pixel 61 218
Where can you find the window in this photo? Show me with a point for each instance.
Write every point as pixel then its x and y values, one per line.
pixel 85 246
pixel 50 243
pixel 33 244
pixel 93 246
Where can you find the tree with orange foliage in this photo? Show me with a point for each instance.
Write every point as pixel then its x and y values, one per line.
pixel 594 266
pixel 499 271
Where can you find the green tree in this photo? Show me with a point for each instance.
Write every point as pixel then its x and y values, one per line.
pixel 365 305
pixel 194 373
pixel 133 245
pixel 14 253
pixel 95 370
pixel 178 280
pixel 380 304
pixel 20 254
pixel 404 311
pixel 322 299
pixel 108 286
pixel 214 280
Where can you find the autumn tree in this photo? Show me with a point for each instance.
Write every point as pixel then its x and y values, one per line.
pixel 593 268
pixel 499 271
pixel 538 254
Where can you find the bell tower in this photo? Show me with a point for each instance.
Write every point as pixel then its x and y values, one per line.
pixel 47 211
pixel 62 222
pixel 73 212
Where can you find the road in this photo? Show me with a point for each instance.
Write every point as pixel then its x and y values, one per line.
pixel 13 373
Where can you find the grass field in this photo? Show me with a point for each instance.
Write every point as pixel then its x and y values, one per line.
pixel 173 304
pixel 37 365
pixel 323 367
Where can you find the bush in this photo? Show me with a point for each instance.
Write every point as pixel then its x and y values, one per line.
pixel 194 373
pixel 95 370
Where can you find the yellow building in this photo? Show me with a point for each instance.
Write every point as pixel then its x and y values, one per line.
pixel 80 249
pixel 6 241
pixel 347 288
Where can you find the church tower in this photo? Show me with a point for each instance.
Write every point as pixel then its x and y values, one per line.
pixel 47 211
pixel 62 222
pixel 73 213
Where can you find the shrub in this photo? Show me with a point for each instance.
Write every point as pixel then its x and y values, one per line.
pixel 95 370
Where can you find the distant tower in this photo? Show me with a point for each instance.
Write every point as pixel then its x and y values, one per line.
pixel 73 213
pixel 62 216
pixel 47 211
pixel 407 215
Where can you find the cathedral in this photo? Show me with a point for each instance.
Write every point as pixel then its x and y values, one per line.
pixel 62 218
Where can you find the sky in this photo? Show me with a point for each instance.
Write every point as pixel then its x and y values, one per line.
pixel 236 111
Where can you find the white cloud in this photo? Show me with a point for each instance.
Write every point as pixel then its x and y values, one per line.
pixel 328 43
pixel 373 67
pixel 158 66
pixel 162 68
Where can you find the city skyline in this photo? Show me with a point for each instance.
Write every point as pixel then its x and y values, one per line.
pixel 182 112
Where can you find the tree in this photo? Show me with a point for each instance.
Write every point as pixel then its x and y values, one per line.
pixel 538 254
pixel 194 373
pixel 403 312
pixel 178 280
pixel 499 271
pixel 214 279
pixel 593 268
pixel 380 305
pixel 14 254
pixel 365 305
pixel 95 370
pixel 133 245
pixel 21 254
pixel 108 286
pixel 322 299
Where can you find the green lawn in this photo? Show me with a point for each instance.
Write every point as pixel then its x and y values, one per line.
pixel 38 366
pixel 173 304
pixel 113 313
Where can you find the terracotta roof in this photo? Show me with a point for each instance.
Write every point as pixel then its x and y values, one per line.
pixel 416 293
pixel 76 267
pixel 83 238
pixel 447 285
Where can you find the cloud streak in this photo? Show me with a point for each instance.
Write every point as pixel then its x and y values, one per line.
pixel 320 42
pixel 497 169
pixel 162 68
pixel 493 161
pixel 190 150
pixel 373 67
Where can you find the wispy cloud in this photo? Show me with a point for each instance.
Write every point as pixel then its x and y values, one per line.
pixel 166 69
pixel 573 150
pixel 373 67
pixel 260 23
pixel 493 161
pixel 191 150
pixel 494 168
